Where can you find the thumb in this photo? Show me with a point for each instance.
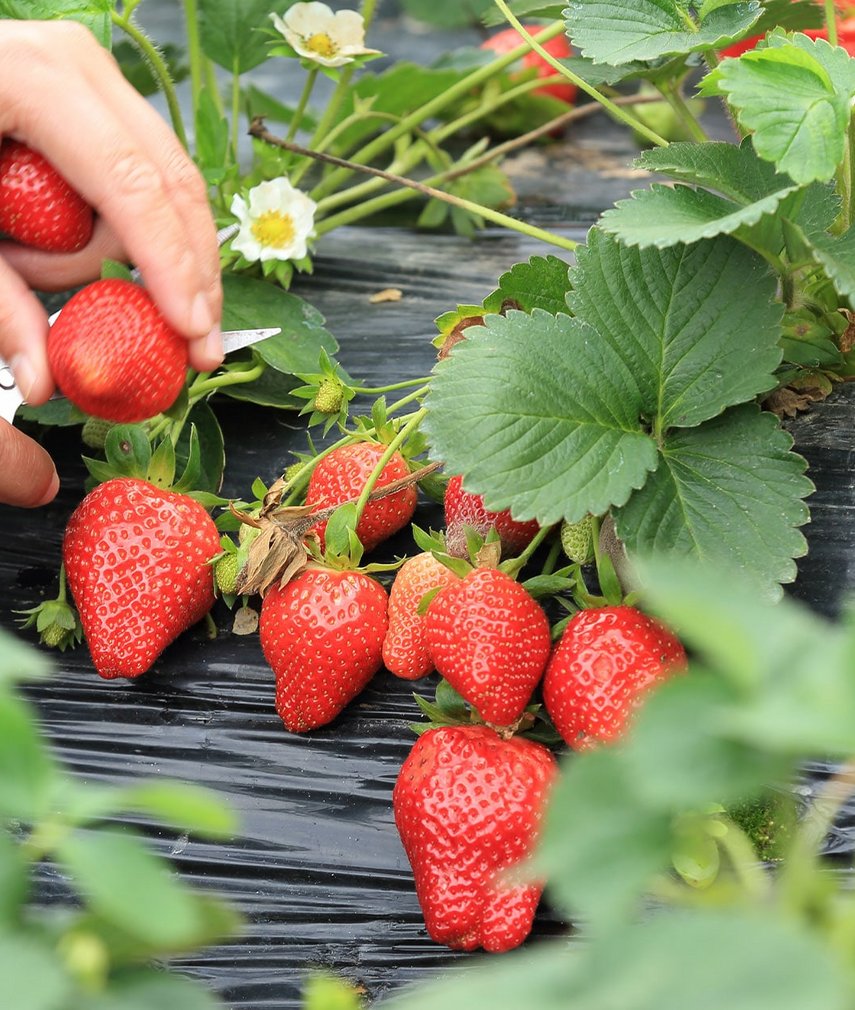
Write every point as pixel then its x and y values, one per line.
pixel 28 477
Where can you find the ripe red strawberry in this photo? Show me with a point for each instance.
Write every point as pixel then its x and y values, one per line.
pixel 468 807
pixel 137 560
pixel 322 634
pixel 508 39
pixel 462 509
pixel 405 649
pixel 490 640
pixel 343 474
pixel 37 206
pixel 606 662
pixel 114 355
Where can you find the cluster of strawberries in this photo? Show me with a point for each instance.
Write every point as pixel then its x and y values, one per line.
pixel 470 797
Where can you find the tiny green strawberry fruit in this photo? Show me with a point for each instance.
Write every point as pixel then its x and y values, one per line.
pixel 226 572
pixel 94 432
pixel 577 540
pixel 329 397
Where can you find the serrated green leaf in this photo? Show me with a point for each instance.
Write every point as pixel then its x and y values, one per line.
pixel 671 317
pixel 230 32
pixel 542 416
pixel 835 60
pixel 540 283
pixel 59 413
pixel 730 490
pixel 787 98
pixel 619 31
pixel 95 14
pixel 836 255
pixel 251 303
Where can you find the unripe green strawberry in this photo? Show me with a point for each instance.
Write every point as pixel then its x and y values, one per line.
pixel 94 432
pixel 225 574
pixel 329 396
pixel 54 636
pixel 577 540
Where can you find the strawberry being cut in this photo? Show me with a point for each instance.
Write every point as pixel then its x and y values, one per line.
pixel 405 648
pixel 38 208
pixel 490 640
pixel 468 806
pixel 608 659
pixel 114 355
pixel 137 559
pixel 341 476
pixel 322 634
pixel 463 510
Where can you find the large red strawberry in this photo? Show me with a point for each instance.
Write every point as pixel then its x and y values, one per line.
pixel 468 806
pixel 137 560
pixel 464 509
pixel 606 662
pixel 405 648
pixel 490 640
pixel 322 634
pixel 508 39
pixel 37 206
pixel 114 355
pixel 341 476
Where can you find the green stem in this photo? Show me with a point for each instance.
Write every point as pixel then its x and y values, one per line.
pixel 743 859
pixel 583 85
pixel 407 400
pixel 158 68
pixel 675 99
pixel 377 390
pixel 235 106
pixel 831 21
pixel 390 450
pixel 203 388
pixel 309 85
pixel 194 49
pixel 552 558
pixel 461 89
pixel 516 565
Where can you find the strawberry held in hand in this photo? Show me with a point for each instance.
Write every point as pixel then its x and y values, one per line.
pixel 607 661
pixel 114 355
pixel 468 807
pixel 137 562
pixel 405 648
pixel 341 476
pixel 464 509
pixel 322 634
pixel 38 208
pixel 490 640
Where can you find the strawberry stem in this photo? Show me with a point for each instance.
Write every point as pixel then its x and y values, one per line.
pixel 391 448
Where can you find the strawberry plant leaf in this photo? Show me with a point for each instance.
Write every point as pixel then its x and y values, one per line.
pixel 95 14
pixel 796 110
pixel 186 807
pixel 252 303
pixel 671 317
pixel 525 9
pixel 19 662
pixel 619 31
pixel 229 32
pixel 26 769
pixel 447 13
pixel 789 14
pixel 203 432
pixel 575 448
pixel 728 490
pixel 33 977
pixel 540 283
pixel 836 255
pixel 146 988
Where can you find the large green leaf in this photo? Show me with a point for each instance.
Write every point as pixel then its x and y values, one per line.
pixel 793 106
pixel 618 31
pixel 231 32
pixel 542 282
pixel 447 13
pixel 542 415
pixel 26 769
pixel 251 303
pixel 95 14
pixel 525 9
pixel 730 490
pixel 33 975
pixel 665 216
pixel 836 255
pixel 672 318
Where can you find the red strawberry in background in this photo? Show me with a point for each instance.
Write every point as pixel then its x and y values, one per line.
pixel 508 39
pixel 38 208
pixel 606 662
pixel 341 476
pixel 405 648
pixel 137 562
pixel 114 355
pixel 322 634
pixel 464 509
pixel 490 640
pixel 468 807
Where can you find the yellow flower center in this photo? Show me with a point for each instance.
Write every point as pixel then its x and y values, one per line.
pixel 273 228
pixel 321 44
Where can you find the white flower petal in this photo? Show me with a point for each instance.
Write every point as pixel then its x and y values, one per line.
pixel 308 18
pixel 271 199
pixel 349 29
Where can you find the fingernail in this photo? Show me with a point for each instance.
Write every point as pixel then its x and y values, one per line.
pixel 214 345
pixel 25 374
pixel 51 491
pixel 201 319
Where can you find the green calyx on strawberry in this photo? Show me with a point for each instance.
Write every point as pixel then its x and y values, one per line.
pixel 468 805
pixel 56 621
pixel 327 393
pixel 114 355
pixel 38 207
pixel 138 562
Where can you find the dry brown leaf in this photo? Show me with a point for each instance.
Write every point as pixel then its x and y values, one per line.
pixel 245 622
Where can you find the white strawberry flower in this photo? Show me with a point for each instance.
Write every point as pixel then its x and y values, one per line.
pixel 317 33
pixel 276 221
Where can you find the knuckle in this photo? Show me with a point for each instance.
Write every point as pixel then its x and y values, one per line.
pixel 135 176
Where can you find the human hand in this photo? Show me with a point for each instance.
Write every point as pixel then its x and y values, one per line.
pixel 62 94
